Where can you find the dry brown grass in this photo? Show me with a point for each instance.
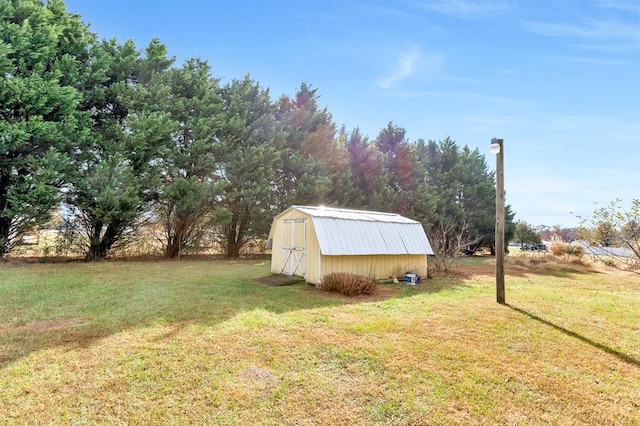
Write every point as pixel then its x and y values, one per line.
pixel 558 248
pixel 551 264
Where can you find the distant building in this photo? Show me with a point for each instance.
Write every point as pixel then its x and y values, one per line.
pixel 598 250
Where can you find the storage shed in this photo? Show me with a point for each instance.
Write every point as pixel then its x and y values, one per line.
pixel 314 241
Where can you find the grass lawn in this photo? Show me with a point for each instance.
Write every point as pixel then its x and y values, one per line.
pixel 198 342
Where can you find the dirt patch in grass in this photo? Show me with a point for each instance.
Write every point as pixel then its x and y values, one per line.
pixel 50 325
pixel 278 280
pixel 380 292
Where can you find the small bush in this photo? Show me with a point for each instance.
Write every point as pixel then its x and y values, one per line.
pixel 558 248
pixel 576 251
pixel 347 283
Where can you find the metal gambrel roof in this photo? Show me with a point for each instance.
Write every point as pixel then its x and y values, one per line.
pixel 356 232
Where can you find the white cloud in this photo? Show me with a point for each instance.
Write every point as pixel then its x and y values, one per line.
pixel 608 48
pixel 468 9
pixel 622 5
pixel 598 61
pixel 393 12
pixel 594 29
pixel 406 63
pixel 464 96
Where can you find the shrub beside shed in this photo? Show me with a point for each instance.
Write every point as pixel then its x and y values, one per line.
pixel 312 241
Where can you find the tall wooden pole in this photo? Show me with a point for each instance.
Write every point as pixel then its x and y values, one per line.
pixel 500 297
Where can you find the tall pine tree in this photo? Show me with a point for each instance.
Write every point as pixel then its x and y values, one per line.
pixel 117 171
pixel 401 169
pixel 456 197
pixel 370 174
pixel 250 142
pixel 45 55
pixel 310 156
pixel 190 184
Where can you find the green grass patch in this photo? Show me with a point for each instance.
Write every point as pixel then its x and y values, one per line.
pixel 199 342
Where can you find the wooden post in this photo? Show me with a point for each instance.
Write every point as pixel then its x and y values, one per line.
pixel 500 296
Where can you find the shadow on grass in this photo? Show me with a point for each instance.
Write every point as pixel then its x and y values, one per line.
pixel 438 284
pixel 620 355
pixel 76 305
pixel 73 328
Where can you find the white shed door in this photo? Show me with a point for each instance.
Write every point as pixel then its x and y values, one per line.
pixel 294 254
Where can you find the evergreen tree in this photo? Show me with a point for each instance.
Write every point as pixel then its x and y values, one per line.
pixel 343 192
pixel 251 140
pixel 509 228
pixel 390 139
pixel 190 184
pixel 455 199
pixel 369 173
pixel 477 197
pixel 426 197
pixel 448 225
pixel 398 162
pixel 117 171
pixel 44 58
pixel 310 156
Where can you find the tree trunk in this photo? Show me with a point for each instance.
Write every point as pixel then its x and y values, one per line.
pixel 5 222
pixel 233 239
pixel 172 250
pixel 233 249
pixel 100 246
pixel 174 246
pixel 96 251
pixel 5 226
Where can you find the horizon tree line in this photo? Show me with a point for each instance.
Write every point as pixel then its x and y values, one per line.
pixel 115 134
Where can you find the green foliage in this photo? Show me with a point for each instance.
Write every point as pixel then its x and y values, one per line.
pixel 605 233
pixel 123 137
pixel 401 169
pixel 118 168
pixel 370 176
pixel 526 233
pixel 312 160
pixel 250 142
pixel 347 283
pixel 509 226
pixel 44 60
pixel 190 185
pixel 456 198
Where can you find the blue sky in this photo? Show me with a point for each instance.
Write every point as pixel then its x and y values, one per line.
pixel 558 80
